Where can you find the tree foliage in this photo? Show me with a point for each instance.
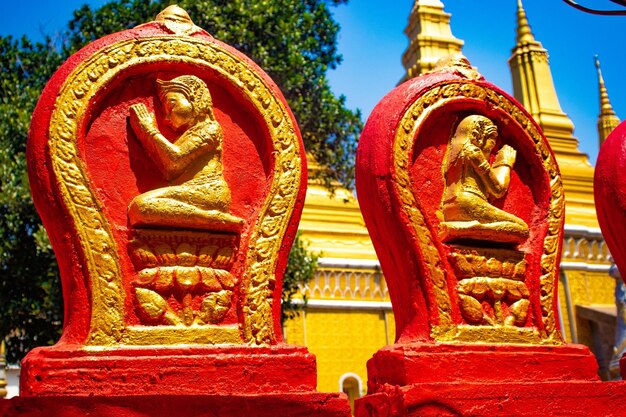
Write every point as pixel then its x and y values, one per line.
pixel 30 292
pixel 293 40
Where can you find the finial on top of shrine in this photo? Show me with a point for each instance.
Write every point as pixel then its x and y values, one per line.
pixel 177 21
pixel 458 64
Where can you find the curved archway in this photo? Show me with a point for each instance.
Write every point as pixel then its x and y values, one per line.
pixel 352 385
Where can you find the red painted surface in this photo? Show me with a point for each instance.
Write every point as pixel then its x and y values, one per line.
pixel 610 197
pixel 180 405
pixel 610 194
pixel 419 376
pixel 393 237
pixel 169 371
pixel 226 380
pixel 503 399
pixel 422 363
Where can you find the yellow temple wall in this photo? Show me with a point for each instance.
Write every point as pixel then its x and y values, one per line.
pixel 347 319
pixel 343 340
pixel 584 279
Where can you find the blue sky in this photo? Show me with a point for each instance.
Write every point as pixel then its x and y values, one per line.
pixel 372 41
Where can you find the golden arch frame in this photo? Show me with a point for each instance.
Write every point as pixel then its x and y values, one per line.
pixel 446 330
pixel 95 238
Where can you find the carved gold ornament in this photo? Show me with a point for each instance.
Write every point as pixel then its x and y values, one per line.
pixel 175 267
pixel 97 245
pixel 445 329
pixel 198 196
pixel 177 21
pixel 494 277
pixel 471 181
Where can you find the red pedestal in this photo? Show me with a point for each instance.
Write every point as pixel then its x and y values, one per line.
pixel 225 370
pixel 487 380
pixel 520 399
pixel 181 405
pixel 484 380
pixel 422 363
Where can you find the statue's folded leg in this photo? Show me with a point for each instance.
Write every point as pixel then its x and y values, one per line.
pixel 493 214
pixel 472 207
pixel 471 217
pixel 157 208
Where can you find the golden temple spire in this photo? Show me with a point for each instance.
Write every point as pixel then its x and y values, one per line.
pixel 430 38
pixel 524 34
pixel 607 119
pixel 533 86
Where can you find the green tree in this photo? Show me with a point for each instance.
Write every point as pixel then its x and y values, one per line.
pixel 30 292
pixel 293 40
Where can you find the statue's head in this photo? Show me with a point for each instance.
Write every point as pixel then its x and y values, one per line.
pixel 480 131
pixel 186 101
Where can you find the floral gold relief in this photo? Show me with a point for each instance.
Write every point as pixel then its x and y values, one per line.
pixel 493 299
pixel 196 266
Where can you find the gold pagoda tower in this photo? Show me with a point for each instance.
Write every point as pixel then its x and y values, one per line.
pixel 607 119
pixel 430 38
pixel 534 88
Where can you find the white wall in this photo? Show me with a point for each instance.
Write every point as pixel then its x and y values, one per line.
pixel 13 381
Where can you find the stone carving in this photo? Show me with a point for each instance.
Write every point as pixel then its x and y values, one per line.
pixel 183 278
pixel 469 242
pixel 172 216
pixel 470 181
pixel 176 20
pixel 437 267
pixel 200 197
pixel 491 285
pixel 96 242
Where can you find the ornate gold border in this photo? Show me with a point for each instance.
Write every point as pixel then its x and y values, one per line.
pixel 446 329
pixel 94 233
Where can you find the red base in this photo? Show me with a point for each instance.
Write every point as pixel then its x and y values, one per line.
pixel 406 364
pixel 168 371
pixel 260 405
pixel 432 379
pixel 524 399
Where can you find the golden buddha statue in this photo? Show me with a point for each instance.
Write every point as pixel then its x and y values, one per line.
pixel 198 197
pixel 470 181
